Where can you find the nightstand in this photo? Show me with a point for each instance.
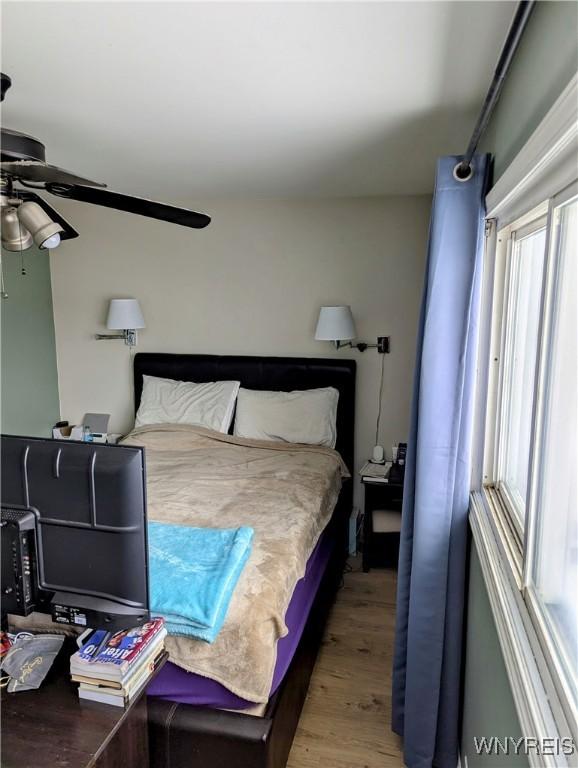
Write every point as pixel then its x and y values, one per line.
pixel 381 546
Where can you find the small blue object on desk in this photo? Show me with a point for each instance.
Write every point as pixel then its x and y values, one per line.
pixel 193 574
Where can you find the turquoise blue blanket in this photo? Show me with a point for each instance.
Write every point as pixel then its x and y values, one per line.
pixel 193 573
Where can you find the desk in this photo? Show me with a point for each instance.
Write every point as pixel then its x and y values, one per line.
pixel 52 728
pixel 380 548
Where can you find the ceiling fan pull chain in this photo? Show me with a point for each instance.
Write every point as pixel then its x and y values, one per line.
pixel 22 264
pixel 3 293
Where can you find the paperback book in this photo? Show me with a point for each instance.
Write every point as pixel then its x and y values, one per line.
pixel 375 473
pixel 113 657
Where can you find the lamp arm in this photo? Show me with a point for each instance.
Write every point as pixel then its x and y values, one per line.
pixel 129 335
pixel 382 345
pixel 108 336
pixel 361 346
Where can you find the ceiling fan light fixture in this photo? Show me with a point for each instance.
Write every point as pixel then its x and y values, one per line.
pixel 52 242
pixel 44 231
pixel 15 237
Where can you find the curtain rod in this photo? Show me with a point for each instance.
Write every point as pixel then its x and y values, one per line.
pixel 517 27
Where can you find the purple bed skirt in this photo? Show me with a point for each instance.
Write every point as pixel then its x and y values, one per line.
pixel 176 684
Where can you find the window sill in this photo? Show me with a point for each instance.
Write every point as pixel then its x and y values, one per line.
pixel 532 688
pixel 509 536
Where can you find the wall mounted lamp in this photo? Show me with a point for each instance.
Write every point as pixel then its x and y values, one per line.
pixel 336 324
pixel 123 315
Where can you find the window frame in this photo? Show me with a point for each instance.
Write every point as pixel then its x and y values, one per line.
pixel 534 221
pixel 545 166
pixel 516 536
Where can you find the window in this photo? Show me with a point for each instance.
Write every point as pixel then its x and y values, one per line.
pixel 526 270
pixel 531 425
pixel 553 576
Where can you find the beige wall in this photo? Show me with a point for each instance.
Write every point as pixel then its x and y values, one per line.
pixel 251 283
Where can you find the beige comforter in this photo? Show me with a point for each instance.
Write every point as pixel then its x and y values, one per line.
pixel 285 492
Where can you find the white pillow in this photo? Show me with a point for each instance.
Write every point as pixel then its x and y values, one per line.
pixel 303 416
pixel 165 401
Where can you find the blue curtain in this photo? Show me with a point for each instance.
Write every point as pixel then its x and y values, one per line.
pixel 431 575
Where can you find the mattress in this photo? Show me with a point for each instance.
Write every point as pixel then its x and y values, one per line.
pixel 176 684
pixel 286 493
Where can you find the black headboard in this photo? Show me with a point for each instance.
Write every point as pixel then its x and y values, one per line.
pixel 281 374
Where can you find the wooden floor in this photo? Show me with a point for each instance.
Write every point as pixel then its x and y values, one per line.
pixel 346 717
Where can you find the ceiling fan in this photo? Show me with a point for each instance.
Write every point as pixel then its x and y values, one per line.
pixel 27 218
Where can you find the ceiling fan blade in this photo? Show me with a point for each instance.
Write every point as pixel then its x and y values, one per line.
pixel 69 232
pixel 34 170
pixel 130 204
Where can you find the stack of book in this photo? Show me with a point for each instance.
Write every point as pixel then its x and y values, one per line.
pixel 113 668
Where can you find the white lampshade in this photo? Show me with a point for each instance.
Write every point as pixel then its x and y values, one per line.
pixel 335 324
pixel 124 314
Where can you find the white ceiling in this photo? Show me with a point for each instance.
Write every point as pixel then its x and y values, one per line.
pixel 197 100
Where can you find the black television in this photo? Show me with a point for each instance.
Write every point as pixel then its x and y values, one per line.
pixel 74 532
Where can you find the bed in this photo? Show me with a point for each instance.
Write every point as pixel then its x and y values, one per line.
pixel 184 734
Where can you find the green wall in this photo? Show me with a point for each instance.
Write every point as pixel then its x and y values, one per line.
pixel 488 704
pixel 545 62
pixel 29 381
